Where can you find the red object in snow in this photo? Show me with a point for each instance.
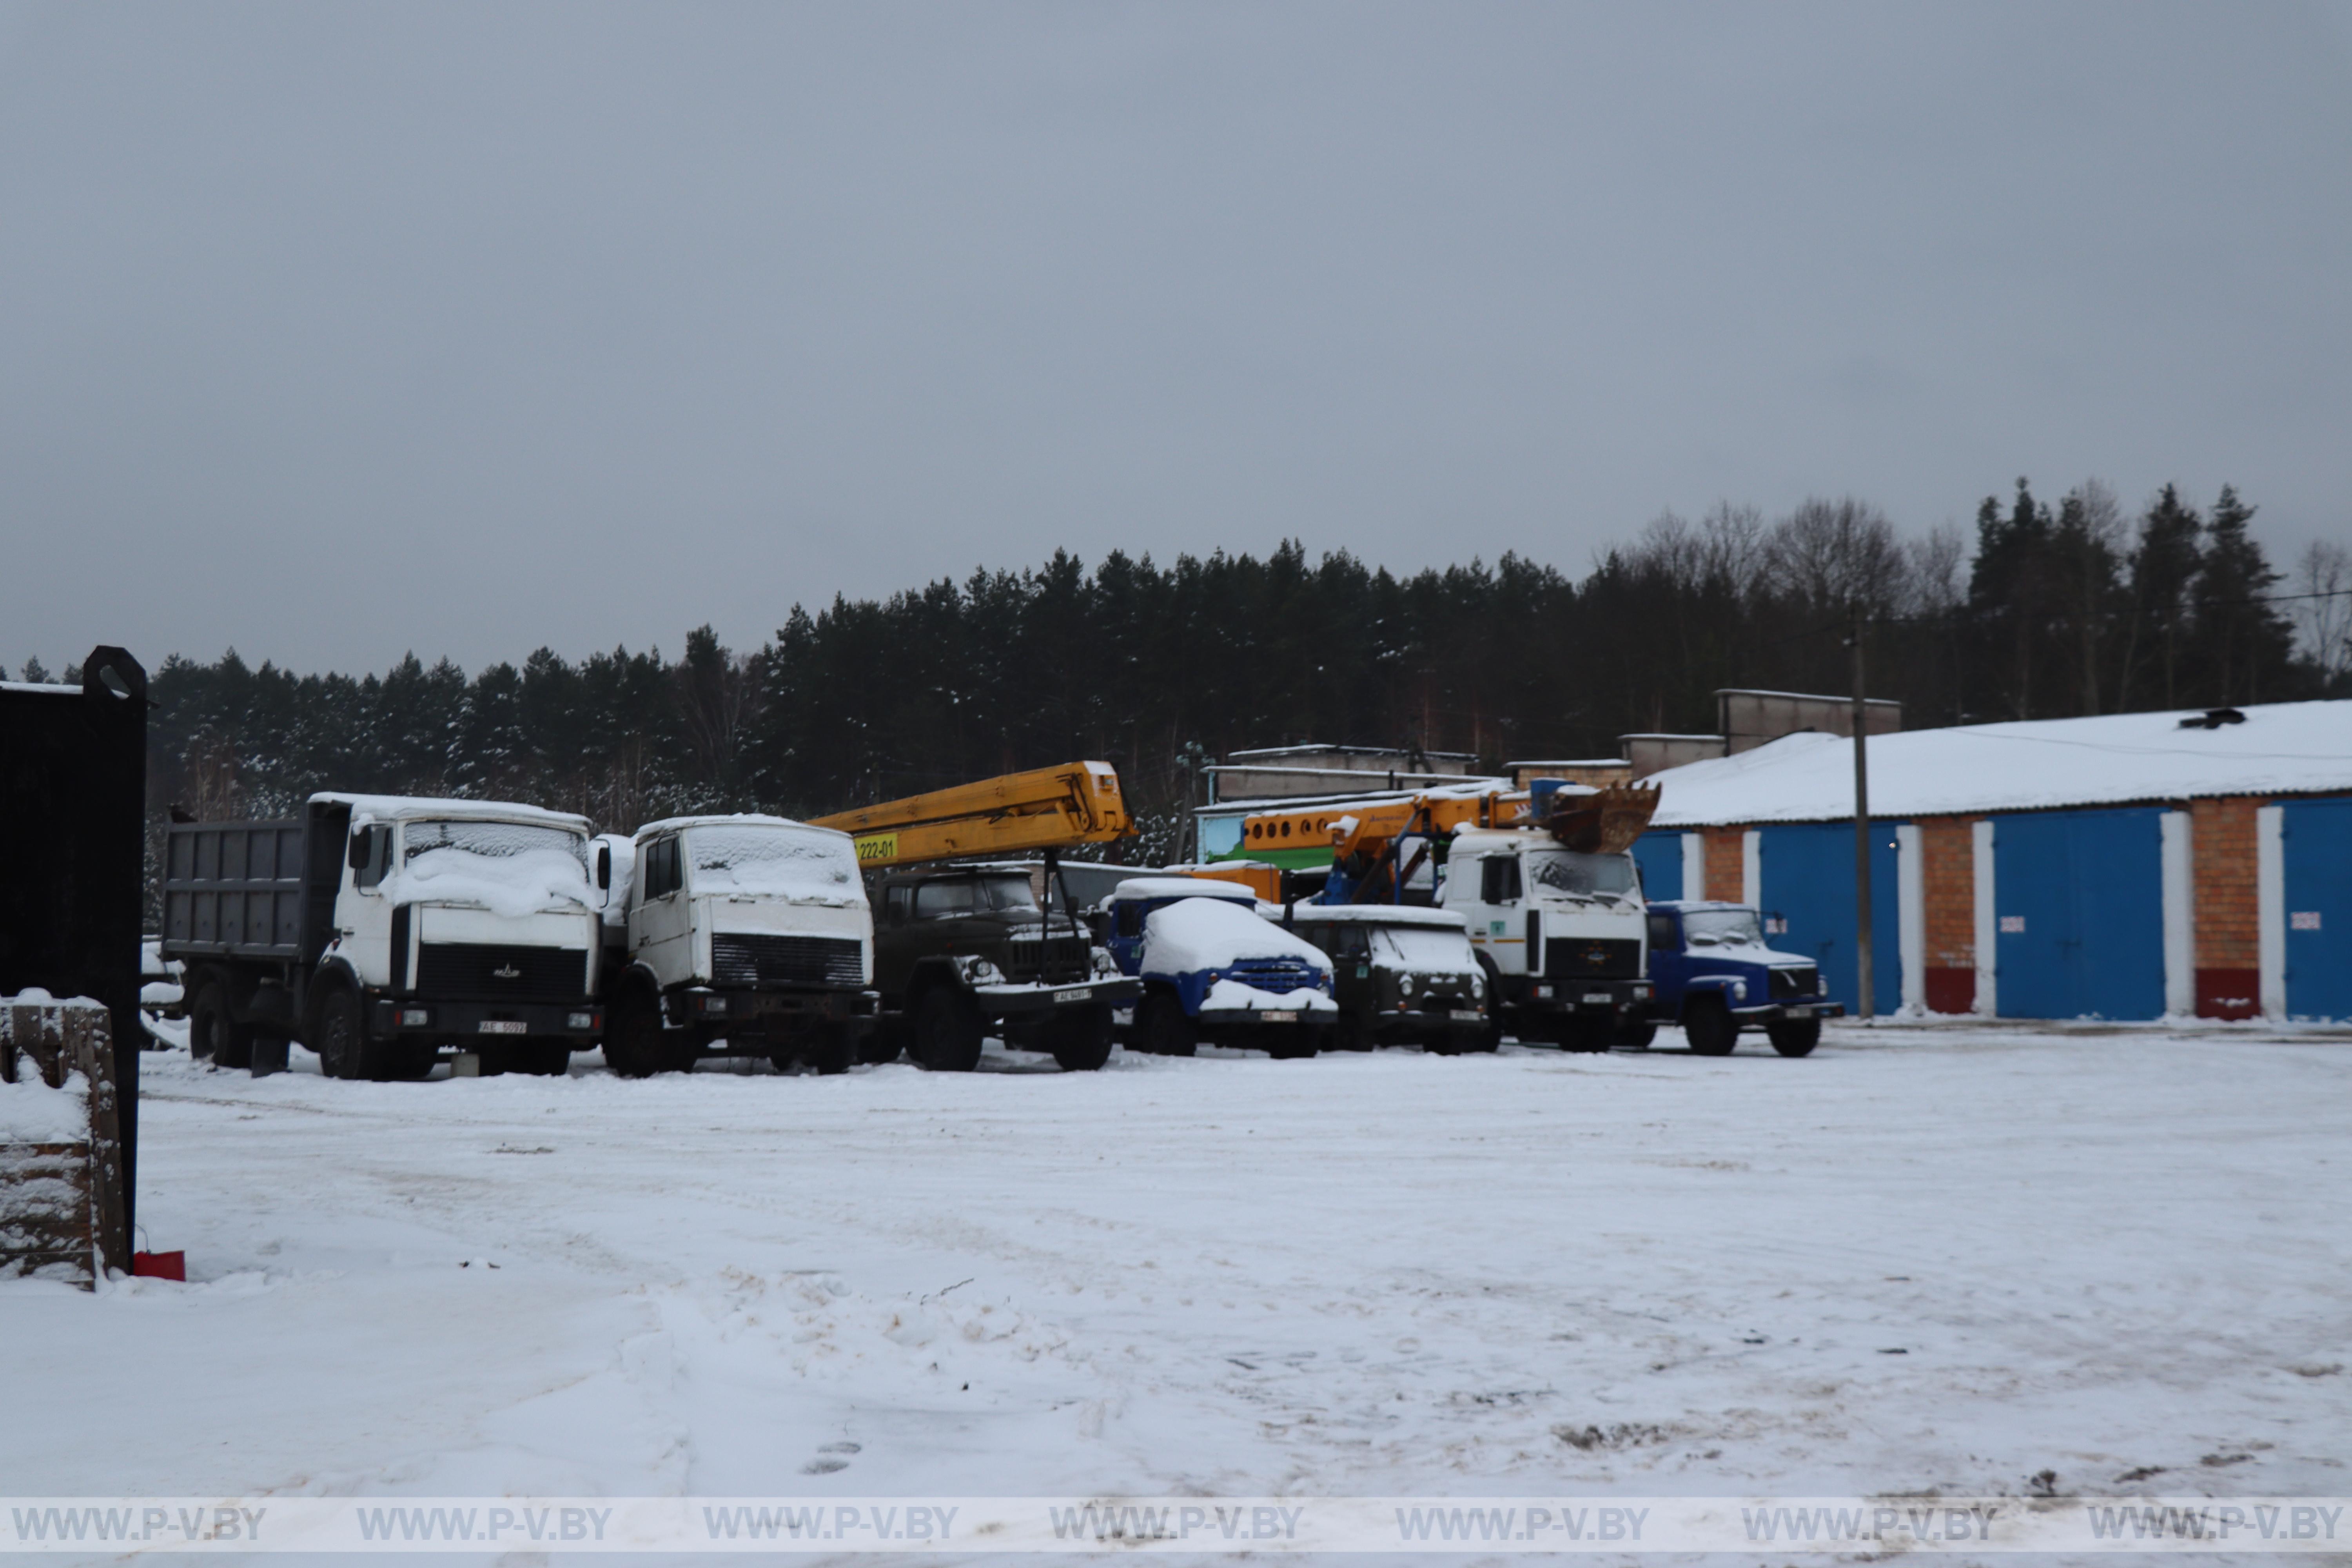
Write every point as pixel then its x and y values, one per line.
pixel 160 1265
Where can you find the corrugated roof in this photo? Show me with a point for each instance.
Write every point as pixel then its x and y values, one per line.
pixel 2281 748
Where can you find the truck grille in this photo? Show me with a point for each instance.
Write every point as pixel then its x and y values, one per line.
pixel 1592 958
pixel 484 972
pixel 1275 974
pixel 1061 958
pixel 739 959
pixel 1788 984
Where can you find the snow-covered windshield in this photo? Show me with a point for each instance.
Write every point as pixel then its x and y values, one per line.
pixel 492 841
pixel 1566 873
pixel 786 862
pixel 1722 927
pixel 1425 947
pixel 973 895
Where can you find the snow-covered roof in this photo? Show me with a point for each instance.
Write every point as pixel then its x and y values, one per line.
pixel 2280 748
pixel 404 807
pixel 738 819
pixel 40 688
pixel 1380 914
pixel 1178 887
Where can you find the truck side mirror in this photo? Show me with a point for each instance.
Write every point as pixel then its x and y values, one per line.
pixel 604 868
pixel 358 857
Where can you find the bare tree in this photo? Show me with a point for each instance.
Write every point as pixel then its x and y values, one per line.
pixel 2323 622
pixel 1833 555
pixel 1934 568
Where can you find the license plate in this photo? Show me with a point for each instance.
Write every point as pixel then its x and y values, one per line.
pixel 1078 995
pixel 501 1026
pixel 1279 1017
pixel 1460 1016
pixel 1597 998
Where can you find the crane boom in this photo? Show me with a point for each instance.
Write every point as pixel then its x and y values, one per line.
pixel 1044 809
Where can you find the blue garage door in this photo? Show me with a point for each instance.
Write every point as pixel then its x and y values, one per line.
pixel 2079 904
pixel 1660 855
pixel 2317 848
pixel 1808 883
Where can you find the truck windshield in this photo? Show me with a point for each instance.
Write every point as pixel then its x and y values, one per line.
pixel 1722 927
pixel 519 842
pixel 974 895
pixel 1564 873
pixel 1425 947
pixel 780 862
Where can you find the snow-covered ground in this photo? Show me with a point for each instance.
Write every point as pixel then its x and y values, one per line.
pixel 1923 1259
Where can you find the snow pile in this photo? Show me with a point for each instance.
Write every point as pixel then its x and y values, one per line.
pixel 1193 934
pixel 33 1112
pixel 776 859
pixel 2280 748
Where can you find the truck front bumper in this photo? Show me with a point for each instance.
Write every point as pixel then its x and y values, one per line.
pixel 1773 1012
pixel 1011 1001
pixel 777 1012
pixel 393 1017
pixel 1596 997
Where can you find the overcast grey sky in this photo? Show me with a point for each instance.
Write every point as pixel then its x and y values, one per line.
pixel 331 332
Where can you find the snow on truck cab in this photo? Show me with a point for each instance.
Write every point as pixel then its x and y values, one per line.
pixel 1559 932
pixel 741 936
pixel 1214 971
pixel 1402 975
pixel 385 932
pixel 1714 973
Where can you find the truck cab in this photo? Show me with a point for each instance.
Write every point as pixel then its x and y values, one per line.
pixel 1714 975
pixel 387 934
pixel 964 951
pixel 744 935
pixel 1560 934
pixel 1213 970
pixel 1400 976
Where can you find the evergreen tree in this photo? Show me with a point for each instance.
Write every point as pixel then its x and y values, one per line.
pixel 2243 646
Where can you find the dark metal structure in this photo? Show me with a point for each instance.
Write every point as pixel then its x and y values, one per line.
pixel 73 808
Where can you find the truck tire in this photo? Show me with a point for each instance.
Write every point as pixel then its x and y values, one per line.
pixel 214 1032
pixel 947 1031
pixel 1635 1033
pixel 1080 1039
pixel 341 1034
pixel 1794 1037
pixel 632 1034
pixel 827 1050
pixel 1494 1029
pixel 1709 1027
pixel 1164 1029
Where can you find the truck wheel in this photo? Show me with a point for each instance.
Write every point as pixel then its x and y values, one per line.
pixel 1164 1028
pixel 884 1045
pixel 1709 1027
pixel 632 1034
pixel 215 1033
pixel 1637 1033
pixel 947 1032
pixel 341 1043
pixel 827 1049
pixel 543 1059
pixel 1494 1030
pixel 1794 1037
pixel 1080 1039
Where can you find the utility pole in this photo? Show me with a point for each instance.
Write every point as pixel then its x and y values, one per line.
pixel 1860 822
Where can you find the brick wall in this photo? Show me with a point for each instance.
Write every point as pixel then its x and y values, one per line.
pixel 1725 856
pixel 2228 907
pixel 1947 865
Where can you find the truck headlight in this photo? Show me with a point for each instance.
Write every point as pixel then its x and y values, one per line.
pixel 1477 985
pixel 1106 966
pixel 1739 991
pixel 580 1020
pixel 414 1017
pixel 981 971
pixel 706 1003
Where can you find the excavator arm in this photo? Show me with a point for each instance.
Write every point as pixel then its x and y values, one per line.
pixel 1045 809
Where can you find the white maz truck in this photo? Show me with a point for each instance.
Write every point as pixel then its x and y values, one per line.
pixel 387 934
pixel 1561 935
pixel 739 936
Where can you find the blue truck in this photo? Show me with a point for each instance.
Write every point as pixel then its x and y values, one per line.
pixel 1213 970
pixel 1714 975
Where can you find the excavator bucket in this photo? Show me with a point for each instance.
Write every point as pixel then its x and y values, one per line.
pixel 1606 822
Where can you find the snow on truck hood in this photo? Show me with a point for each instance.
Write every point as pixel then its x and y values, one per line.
pixel 1193 934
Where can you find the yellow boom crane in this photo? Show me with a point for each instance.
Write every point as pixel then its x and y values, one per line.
pixel 964 951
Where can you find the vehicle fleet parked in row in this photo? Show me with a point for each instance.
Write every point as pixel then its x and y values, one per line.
pixel 391 934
